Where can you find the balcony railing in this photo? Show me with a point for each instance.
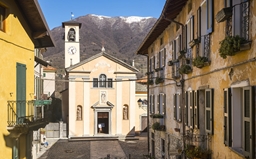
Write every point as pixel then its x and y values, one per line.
pixel 22 113
pixel 244 9
pixel 207 48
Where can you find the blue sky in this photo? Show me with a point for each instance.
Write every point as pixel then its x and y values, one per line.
pixel 58 11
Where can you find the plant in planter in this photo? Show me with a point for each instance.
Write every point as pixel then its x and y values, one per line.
pixel 230 45
pixel 185 69
pixel 197 152
pixel 182 54
pixel 158 126
pixel 156 116
pixel 159 80
pixel 199 61
pixel 193 42
pixel 150 82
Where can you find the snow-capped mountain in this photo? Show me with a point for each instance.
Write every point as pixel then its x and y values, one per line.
pixel 121 37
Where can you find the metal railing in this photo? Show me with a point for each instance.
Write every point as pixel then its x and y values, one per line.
pixel 21 113
pixel 207 48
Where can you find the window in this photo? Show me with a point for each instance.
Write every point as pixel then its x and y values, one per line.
pixel 95 82
pixel 2 18
pixel 240 18
pixel 152 103
pixel 163 148
pixel 161 103
pixel 205 27
pixel 161 41
pixel 177 107
pixel 191 109
pixel 239 119
pixel 162 57
pixel 175 51
pixel 209 111
pixel 190 30
pixel 103 81
pixel 110 83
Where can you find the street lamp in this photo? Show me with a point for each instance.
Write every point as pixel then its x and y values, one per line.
pixel 139 102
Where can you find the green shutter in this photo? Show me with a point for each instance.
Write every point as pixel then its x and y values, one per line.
pixel 184 38
pixel 21 90
pixel 209 111
pixel 196 109
pixel 227 117
pixel 191 109
pixel 175 106
pixel 186 109
pixel 248 121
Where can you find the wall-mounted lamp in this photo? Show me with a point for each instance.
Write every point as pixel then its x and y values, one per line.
pixel 139 102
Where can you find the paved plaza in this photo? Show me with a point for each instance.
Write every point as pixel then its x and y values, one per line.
pixel 64 149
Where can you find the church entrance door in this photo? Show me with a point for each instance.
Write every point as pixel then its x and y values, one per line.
pixel 103 122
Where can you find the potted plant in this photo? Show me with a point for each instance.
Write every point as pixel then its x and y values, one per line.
pixel 193 42
pixel 150 82
pixel 200 61
pixel 230 45
pixel 158 126
pixel 156 116
pixel 185 69
pixel 182 54
pixel 159 80
pixel 196 152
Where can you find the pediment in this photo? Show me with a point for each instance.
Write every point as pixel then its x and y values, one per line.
pixel 97 105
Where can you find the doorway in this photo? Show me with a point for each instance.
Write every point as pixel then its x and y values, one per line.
pixel 103 123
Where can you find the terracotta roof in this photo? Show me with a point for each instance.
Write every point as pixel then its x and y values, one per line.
pixel 37 23
pixel 171 9
pixel 49 69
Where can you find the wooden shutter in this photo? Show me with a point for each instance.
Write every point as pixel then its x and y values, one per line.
pixel 191 109
pixel 248 121
pixel 192 27
pixel 154 104
pixel 159 60
pixel 154 62
pixel 179 107
pixel 199 23
pixel 21 90
pixel 164 57
pixel 175 106
pixel 209 15
pixel 158 103
pixel 174 50
pixel 186 109
pixel 227 117
pixel 184 38
pixel 150 65
pixel 196 109
pixel 209 111
pixel 164 104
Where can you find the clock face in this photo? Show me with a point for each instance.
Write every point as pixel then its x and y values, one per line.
pixel 71 50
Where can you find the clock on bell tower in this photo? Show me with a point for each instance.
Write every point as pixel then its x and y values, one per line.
pixel 72 44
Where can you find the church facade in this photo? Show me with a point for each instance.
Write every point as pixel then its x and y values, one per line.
pixel 99 99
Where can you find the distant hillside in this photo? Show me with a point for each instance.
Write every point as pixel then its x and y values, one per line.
pixel 121 37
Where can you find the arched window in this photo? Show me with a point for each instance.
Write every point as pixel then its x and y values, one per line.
pixel 103 80
pixel 72 35
pixel 79 112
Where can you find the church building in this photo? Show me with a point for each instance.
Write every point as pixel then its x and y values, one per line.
pixel 99 99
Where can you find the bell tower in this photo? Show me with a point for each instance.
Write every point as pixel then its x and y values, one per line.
pixel 72 43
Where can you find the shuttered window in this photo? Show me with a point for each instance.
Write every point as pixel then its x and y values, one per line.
pixel 248 121
pixel 196 109
pixel 186 109
pixel 153 103
pixel 175 106
pixel 21 90
pixel 227 117
pixel 191 109
pixel 209 111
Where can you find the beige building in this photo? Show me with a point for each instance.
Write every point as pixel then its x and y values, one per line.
pixel 202 79
pixel 100 99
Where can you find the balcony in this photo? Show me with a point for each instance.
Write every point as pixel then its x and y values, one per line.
pixel 27 115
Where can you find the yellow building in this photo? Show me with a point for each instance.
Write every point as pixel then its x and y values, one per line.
pixel 202 94
pixel 22 30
